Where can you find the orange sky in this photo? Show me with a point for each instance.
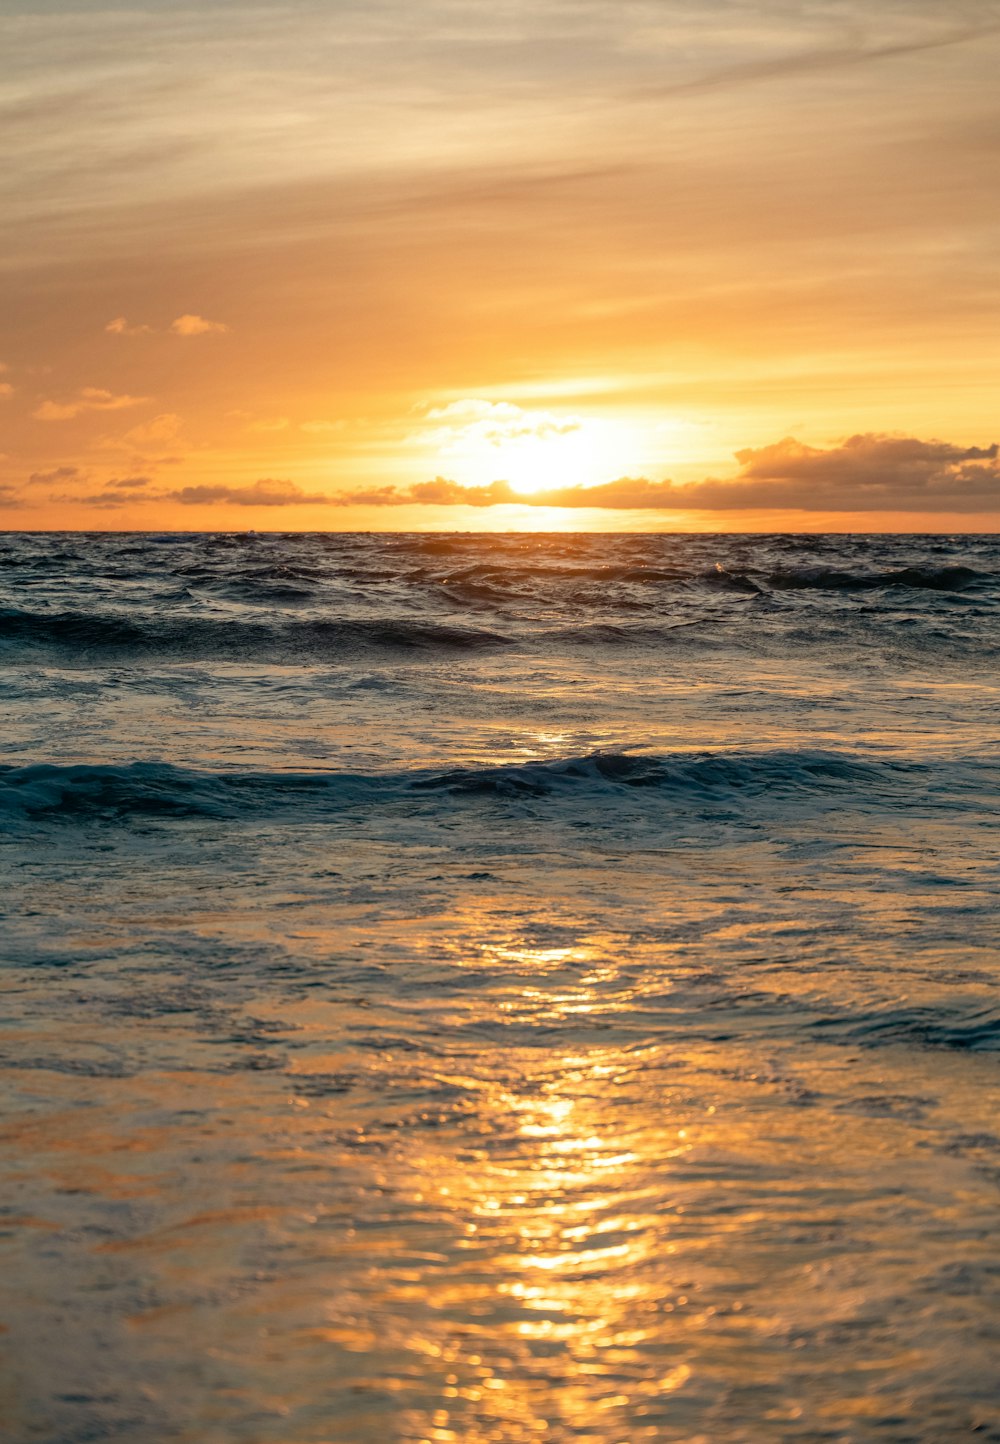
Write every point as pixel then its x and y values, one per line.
pixel 423 264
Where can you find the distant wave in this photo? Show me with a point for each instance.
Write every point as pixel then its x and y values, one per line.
pixel 334 601
pixel 933 579
pixel 492 579
pixel 44 790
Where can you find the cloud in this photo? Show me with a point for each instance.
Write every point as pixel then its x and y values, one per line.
pixel 90 398
pixel 9 497
pixel 869 472
pixel 120 327
pixel 626 493
pixel 821 58
pixel 6 391
pixel 118 492
pixel 472 409
pixel 160 429
pixel 860 459
pixel 261 493
pixel 439 492
pixel 188 325
pixel 474 422
pixel 48 478
pixel 865 473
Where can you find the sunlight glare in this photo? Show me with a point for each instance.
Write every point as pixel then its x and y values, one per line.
pixel 541 454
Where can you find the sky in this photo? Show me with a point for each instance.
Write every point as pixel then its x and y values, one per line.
pixel 542 264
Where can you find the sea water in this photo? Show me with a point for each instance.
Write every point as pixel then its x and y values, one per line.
pixel 499 988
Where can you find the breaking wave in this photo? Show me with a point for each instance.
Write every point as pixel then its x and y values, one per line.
pixel 156 789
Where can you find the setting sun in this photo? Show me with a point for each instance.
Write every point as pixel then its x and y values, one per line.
pixel 480 442
pixel 534 465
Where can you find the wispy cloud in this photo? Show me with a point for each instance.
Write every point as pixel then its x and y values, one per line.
pixel 117 493
pixel 50 478
pixel 832 56
pixel 121 327
pixel 89 398
pixel 158 431
pixel 186 325
pixel 495 423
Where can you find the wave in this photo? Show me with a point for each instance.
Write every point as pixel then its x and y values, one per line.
pixel 973 1029
pixel 711 774
pixel 159 789
pixel 751 579
pixel 488 581
pixel 934 579
pixel 213 639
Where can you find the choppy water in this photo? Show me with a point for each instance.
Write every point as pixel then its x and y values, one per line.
pixel 500 989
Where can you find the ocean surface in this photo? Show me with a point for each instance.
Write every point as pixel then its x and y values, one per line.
pixel 500 988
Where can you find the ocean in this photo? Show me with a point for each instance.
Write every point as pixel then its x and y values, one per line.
pixel 500 988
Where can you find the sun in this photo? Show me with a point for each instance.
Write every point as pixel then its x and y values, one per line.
pixel 532 451
pixel 545 463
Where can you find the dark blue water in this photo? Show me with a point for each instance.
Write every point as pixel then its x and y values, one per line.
pixel 500 988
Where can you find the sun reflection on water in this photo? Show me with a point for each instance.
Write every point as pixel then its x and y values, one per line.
pixel 551 1184
pixel 558 1276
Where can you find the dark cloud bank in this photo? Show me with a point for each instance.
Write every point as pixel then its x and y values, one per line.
pixel 865 473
